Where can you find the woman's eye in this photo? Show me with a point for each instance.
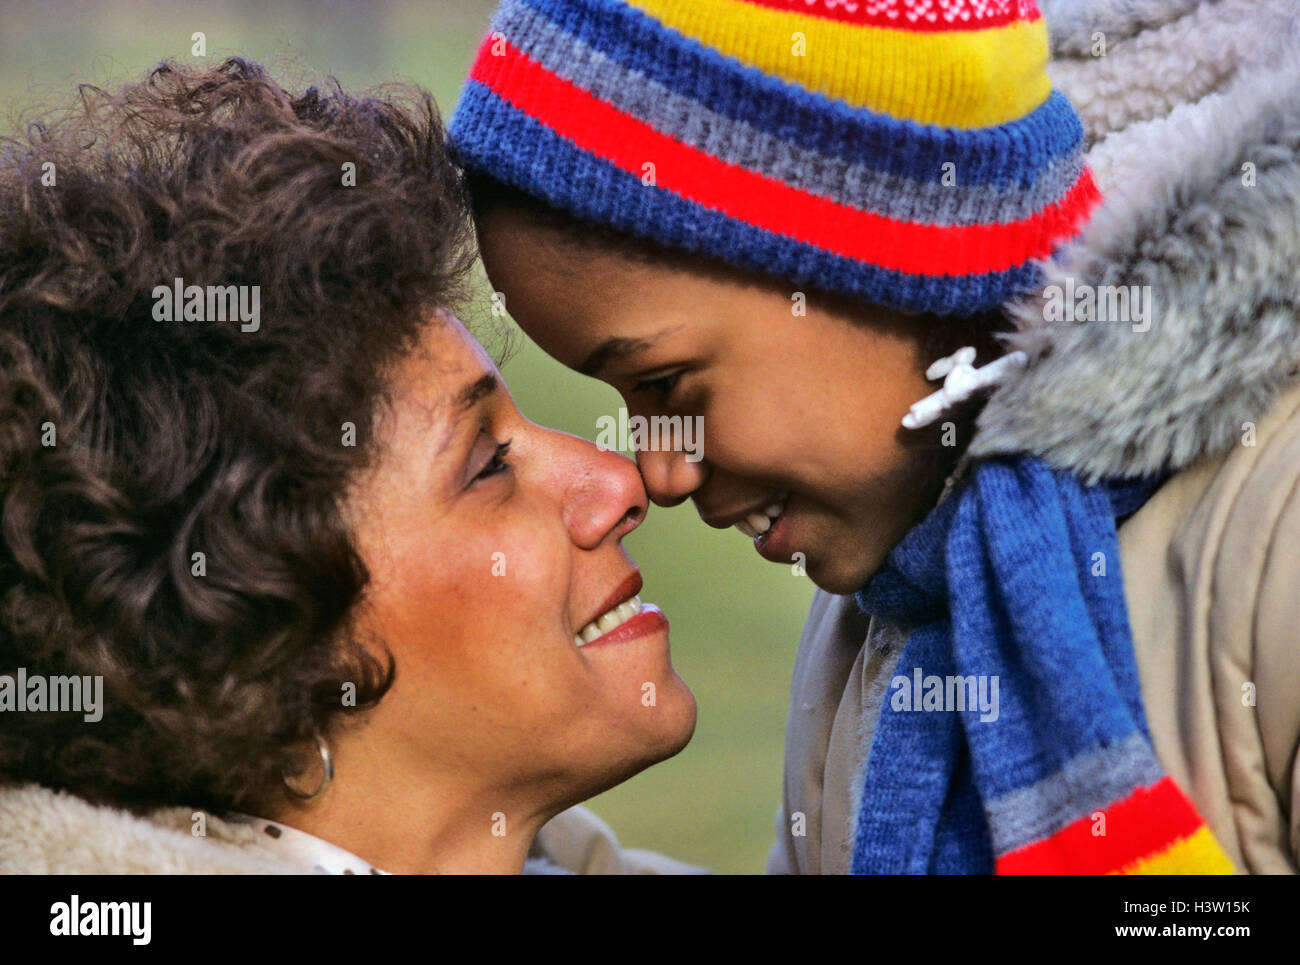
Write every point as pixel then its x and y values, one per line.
pixel 660 386
pixel 497 464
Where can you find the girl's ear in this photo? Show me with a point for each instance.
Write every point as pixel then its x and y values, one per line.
pixel 944 336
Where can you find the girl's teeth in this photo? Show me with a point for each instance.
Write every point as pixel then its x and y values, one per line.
pixel 756 524
pixel 608 621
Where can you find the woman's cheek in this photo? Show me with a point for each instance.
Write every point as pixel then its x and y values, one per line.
pixel 520 575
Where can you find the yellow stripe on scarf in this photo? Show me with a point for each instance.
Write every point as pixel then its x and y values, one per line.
pixel 1197 854
pixel 957 78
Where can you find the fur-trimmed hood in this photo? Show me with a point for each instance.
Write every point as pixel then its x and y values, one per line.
pixel 1192 114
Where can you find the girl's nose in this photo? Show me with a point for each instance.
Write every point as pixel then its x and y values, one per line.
pixel 670 476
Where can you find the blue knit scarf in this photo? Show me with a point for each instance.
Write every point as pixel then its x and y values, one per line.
pixel 1013 580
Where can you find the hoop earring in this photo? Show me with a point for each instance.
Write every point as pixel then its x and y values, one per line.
pixel 327 763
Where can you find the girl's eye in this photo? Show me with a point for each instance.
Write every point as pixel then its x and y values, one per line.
pixel 660 386
pixel 497 464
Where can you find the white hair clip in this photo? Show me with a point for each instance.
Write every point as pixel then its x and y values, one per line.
pixel 961 380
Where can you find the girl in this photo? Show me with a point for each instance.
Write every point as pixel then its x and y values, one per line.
pixel 790 218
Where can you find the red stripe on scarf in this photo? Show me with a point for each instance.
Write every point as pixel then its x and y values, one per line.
pixel 1149 820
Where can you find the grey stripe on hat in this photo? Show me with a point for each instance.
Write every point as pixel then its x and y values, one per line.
pixel 735 142
pixel 1084 785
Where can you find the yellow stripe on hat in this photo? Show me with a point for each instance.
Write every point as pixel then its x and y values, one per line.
pixel 958 78
pixel 1197 854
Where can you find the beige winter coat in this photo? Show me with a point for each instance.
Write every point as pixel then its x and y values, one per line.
pixel 47 832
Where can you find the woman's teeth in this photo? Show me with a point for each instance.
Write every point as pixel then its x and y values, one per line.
pixel 756 524
pixel 608 621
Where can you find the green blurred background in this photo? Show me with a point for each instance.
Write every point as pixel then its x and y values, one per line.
pixel 735 618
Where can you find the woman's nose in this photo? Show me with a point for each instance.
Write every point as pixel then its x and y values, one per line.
pixel 669 475
pixel 604 494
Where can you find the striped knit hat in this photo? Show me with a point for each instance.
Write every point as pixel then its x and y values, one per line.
pixel 911 153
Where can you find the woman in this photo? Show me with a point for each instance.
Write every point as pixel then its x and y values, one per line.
pixel 347 610
pixel 795 242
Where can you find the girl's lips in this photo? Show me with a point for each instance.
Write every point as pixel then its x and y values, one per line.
pixel 650 620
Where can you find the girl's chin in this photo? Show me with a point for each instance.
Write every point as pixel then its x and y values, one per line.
pixel 838 583
pixel 844 567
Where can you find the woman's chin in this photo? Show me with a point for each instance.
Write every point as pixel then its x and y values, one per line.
pixel 652 735
pixel 652 706
pixel 662 730
pixel 679 725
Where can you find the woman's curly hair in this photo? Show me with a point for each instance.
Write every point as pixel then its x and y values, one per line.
pixel 129 445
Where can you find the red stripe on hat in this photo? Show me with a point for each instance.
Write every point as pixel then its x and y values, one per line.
pixel 917 17
pixel 1146 822
pixel 771 205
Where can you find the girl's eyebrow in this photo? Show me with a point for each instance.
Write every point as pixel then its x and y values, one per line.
pixel 613 349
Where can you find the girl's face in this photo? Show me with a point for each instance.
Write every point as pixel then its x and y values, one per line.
pixel 491 543
pixel 801 396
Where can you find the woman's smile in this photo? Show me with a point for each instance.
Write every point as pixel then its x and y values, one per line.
pixel 625 612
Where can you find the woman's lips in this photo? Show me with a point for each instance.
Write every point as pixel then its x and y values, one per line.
pixel 623 593
pixel 650 620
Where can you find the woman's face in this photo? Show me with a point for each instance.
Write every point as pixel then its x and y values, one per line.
pixel 491 542
pixel 798 394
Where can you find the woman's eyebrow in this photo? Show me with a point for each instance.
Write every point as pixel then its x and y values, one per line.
pixel 476 391
pixel 464 400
